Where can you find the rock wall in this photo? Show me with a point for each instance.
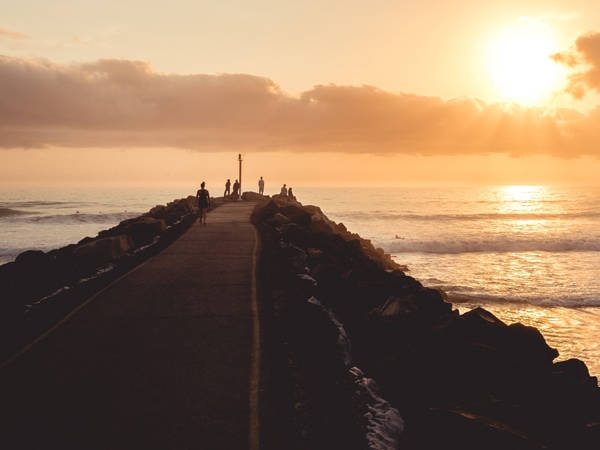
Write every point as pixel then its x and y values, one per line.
pixel 39 288
pixel 465 381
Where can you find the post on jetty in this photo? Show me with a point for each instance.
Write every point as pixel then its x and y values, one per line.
pixel 240 191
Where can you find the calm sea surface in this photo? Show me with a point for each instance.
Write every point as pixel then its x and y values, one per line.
pixel 527 254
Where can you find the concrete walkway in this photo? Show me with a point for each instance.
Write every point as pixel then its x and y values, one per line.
pixel 167 357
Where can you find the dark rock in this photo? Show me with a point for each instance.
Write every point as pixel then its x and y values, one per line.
pixel 254 197
pixel 102 251
pixel 466 381
pixel 142 232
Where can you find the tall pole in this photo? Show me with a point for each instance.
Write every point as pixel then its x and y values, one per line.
pixel 240 160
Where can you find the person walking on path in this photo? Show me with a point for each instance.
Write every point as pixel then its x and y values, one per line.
pixel 261 186
pixel 203 202
pixel 236 187
pixel 227 188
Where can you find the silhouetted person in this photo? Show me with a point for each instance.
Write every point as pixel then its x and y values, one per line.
pixel 227 188
pixel 261 186
pixel 236 187
pixel 203 202
pixel 290 194
pixel 283 190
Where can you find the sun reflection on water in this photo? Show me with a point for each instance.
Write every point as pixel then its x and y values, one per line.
pixel 522 198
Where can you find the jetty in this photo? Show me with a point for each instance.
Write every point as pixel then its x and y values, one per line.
pixel 272 327
pixel 168 356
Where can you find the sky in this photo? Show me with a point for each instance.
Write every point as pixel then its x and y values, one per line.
pixel 318 92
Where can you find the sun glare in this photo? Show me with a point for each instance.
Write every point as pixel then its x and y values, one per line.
pixel 521 67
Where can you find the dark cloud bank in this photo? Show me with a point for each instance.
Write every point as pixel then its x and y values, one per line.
pixel 120 103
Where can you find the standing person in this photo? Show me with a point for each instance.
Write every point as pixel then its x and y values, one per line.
pixel 236 187
pixel 227 188
pixel 261 186
pixel 283 190
pixel 203 202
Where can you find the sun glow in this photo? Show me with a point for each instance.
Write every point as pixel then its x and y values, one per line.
pixel 521 67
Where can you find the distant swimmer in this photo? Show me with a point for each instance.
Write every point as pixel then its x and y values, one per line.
pixel 398 237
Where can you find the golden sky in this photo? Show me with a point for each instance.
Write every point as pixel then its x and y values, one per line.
pixel 310 93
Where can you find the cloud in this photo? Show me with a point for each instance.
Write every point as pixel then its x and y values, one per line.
pixel 126 104
pixel 584 61
pixel 13 35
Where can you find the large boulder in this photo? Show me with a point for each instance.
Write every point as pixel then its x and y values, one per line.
pixel 145 230
pixel 104 250
pixel 254 197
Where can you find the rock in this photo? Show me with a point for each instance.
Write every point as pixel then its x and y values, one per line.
pixel 254 197
pixel 159 212
pixel 11 303
pixel 461 381
pixel 143 231
pixel 104 250
pixel 281 219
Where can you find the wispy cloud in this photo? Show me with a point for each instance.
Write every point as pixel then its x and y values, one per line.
pixel 121 103
pixel 14 35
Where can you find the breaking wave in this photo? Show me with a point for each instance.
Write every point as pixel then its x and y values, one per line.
pixel 493 245
pixel 9 212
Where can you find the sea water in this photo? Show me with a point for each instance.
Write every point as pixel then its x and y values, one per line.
pixel 528 254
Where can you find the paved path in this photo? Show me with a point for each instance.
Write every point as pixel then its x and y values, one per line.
pixel 167 357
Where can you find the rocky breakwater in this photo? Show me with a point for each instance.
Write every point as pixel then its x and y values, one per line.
pixel 38 288
pixel 377 360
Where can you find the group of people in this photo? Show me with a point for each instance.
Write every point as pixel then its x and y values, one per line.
pixel 236 188
pixel 203 196
pixel 287 191
pixel 261 188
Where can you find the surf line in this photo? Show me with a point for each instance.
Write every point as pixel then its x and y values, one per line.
pixel 254 422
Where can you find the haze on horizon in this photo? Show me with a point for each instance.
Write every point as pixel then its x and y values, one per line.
pixel 312 93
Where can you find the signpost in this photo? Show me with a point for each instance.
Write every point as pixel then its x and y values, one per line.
pixel 240 193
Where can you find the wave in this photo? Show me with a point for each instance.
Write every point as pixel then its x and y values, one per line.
pixel 396 216
pixel 9 212
pixel 565 301
pixel 493 246
pixel 79 218
pixel 38 203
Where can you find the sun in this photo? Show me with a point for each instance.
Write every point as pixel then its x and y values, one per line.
pixel 520 64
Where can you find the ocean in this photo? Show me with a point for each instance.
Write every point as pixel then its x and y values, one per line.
pixel 528 254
